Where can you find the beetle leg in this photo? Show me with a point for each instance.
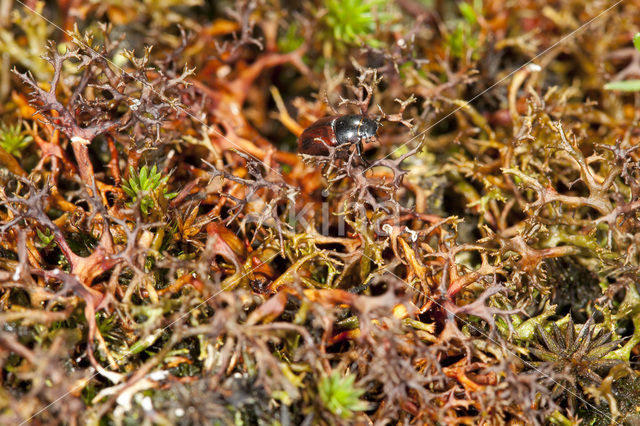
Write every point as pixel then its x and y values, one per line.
pixel 360 149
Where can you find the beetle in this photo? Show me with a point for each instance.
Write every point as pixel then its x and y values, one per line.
pixel 337 131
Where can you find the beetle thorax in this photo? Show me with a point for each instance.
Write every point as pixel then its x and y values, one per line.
pixel 346 129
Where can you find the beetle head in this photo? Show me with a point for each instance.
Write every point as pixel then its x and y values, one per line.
pixel 369 127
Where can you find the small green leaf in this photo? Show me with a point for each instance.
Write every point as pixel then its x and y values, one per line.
pixel 143 177
pixel 45 238
pixel 624 86
pixel 128 191
pixel 468 13
pixel 134 185
pixel 144 343
pixel 636 41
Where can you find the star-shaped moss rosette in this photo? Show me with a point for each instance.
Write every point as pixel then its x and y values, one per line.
pixel 146 186
pixel 340 394
pixel 13 139
pixel 581 356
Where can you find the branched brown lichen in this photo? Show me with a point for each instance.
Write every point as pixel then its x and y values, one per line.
pixel 168 257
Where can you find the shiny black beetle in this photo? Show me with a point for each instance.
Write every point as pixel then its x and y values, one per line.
pixel 337 131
